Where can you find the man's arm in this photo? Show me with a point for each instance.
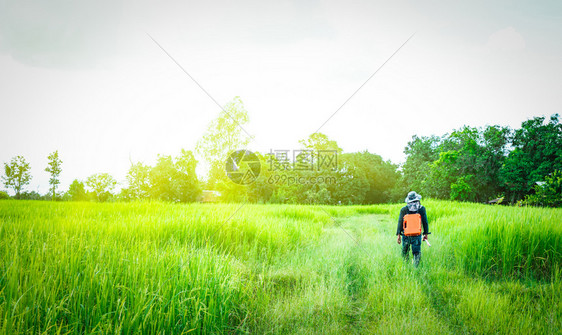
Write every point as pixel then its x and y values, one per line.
pixel 399 228
pixel 424 221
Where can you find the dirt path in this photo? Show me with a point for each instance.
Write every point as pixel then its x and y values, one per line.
pixel 387 295
pixel 354 281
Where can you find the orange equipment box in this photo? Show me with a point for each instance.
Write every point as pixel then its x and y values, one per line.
pixel 412 225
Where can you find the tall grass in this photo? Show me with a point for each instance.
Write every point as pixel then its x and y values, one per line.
pixel 497 241
pixel 154 267
pixel 145 266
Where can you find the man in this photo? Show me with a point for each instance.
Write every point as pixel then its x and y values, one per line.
pixel 413 206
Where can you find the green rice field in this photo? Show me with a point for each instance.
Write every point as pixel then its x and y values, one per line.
pixel 162 268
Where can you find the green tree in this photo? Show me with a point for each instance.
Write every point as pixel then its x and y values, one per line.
pixel 16 174
pixel 495 143
pixel 515 175
pixel 306 177
pixel 312 177
pixel 4 195
pixel 138 179
pixel 443 173
pixel 381 176
pixel 475 164
pixel 319 141
pixel 420 152
pixel 171 180
pixel 548 193
pixel 54 168
pixel 77 191
pixel 460 156
pixel 462 188
pixel 32 196
pixel 187 184
pixel 468 165
pixel 263 188
pixel 537 152
pixel 352 183
pixel 318 194
pixel 101 185
pixel 161 179
pixel 224 136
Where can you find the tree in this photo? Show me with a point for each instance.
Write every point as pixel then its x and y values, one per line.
pixel 318 194
pixel 319 141
pixel 442 174
pixel 380 175
pixel 495 143
pixel 16 174
pixel 262 189
pixel 223 136
pixel 537 153
pixel 473 164
pixel 460 155
pixel 169 180
pixel 309 178
pixel 101 185
pixel 138 179
pixel 463 165
pixel 462 189
pixel 352 183
pixel 76 191
pixel 54 168
pixel 420 152
pixel 548 193
pixel 162 179
pixel 31 196
pixel 186 183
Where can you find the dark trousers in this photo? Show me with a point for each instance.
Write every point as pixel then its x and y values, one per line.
pixel 415 243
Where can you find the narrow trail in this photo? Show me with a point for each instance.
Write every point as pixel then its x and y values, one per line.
pixel 385 292
pixel 380 293
pixel 372 247
pixel 354 281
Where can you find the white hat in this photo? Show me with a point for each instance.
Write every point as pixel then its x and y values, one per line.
pixel 412 196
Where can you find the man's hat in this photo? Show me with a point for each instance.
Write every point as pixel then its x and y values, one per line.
pixel 412 196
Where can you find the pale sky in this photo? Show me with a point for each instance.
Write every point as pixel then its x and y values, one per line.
pixel 85 79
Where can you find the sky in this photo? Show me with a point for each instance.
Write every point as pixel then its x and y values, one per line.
pixel 85 78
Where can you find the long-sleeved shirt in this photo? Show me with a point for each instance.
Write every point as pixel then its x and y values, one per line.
pixel 405 211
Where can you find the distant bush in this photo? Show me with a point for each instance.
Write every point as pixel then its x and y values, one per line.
pixel 548 194
pixel 4 195
pixel 31 196
pixel 76 192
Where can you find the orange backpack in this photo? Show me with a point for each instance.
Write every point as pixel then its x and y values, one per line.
pixel 412 225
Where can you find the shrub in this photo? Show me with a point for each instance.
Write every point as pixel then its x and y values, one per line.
pixel 549 193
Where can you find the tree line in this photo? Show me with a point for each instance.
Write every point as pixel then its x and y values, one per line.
pixel 472 164
pixel 169 180
pixel 468 164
